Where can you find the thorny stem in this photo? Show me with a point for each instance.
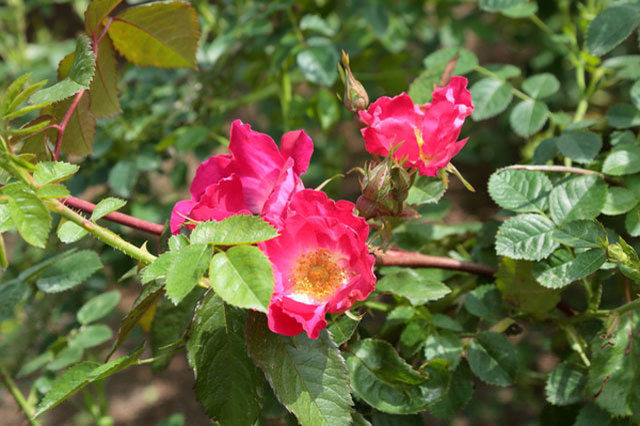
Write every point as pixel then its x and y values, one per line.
pixel 63 125
pixel 19 398
pixel 103 234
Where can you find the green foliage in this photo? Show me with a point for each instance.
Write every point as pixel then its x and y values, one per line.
pixel 578 198
pixel 528 117
pixel 526 236
pixel 308 376
pixel 98 307
pixel 581 147
pixel 187 268
pixel 242 276
pixel 493 359
pixel 566 383
pixel 28 214
pixel 610 28
pixel 416 287
pixel 106 206
pixel 564 269
pixel 69 271
pixel 520 190
pixel 234 230
pixel 490 97
pixel 318 61
pixel 224 372
pixel 381 378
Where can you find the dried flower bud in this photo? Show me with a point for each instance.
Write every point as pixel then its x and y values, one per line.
pixel 355 96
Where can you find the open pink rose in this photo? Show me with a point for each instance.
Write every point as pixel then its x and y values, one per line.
pixel 426 133
pixel 321 263
pixel 256 177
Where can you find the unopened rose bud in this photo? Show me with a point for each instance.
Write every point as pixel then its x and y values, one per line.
pixel 376 182
pixel 366 208
pixel 355 96
pixel 616 254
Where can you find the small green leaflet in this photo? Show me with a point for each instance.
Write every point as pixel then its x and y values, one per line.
pixel 490 97
pixel 98 307
pixel 520 190
pixel 51 172
pixel 493 359
pixel 234 230
pixel 581 197
pixel 69 271
pixel 318 61
pixel 566 384
pixel 187 268
pixel 106 206
pixel 411 284
pixel 570 270
pixel 610 28
pixel 526 236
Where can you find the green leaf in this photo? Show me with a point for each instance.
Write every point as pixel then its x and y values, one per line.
pixel 224 372
pixel 29 215
pixel 619 200
pixel 484 302
pixel 623 116
pixel 426 190
pixel 515 281
pixel 615 368
pixel 98 307
pixel 581 147
pixel 66 385
pixel 413 337
pixel 342 329
pixel 521 11
pixel 467 60
pixel 187 268
pixel 104 93
pixel 610 28
pixel 386 382
pixel 81 128
pixel 163 35
pixel 421 89
pixel 592 415
pixel 66 357
pixel 570 270
pixel 11 93
pixel 239 229
pixel 411 284
pixel 319 61
pixel 445 346
pixel 520 190
pixel 243 277
pixel 80 375
pixel 106 206
pixel 160 267
pixel 68 232
pixel 145 301
pixel 566 384
pixel 11 292
pixel 545 151
pixel 328 109
pixel 457 395
pixel 308 376
pixel 490 97
pixel 623 161
pixel 504 71
pixel 526 236
pixel 52 190
pixel 96 11
pixel 493 359
pixel 91 336
pixel 123 177
pixel 580 234
pixel 632 222
pixel 52 172
pixel 69 271
pixel 499 5
pixel 528 117
pixel 581 197
pixel 541 85
pixel 80 75
pixel 170 325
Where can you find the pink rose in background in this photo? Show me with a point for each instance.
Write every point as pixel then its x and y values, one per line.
pixel 321 263
pixel 428 132
pixel 256 178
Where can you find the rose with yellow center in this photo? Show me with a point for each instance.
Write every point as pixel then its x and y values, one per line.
pixel 321 263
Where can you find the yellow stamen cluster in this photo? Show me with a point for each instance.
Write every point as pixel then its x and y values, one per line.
pixel 419 139
pixel 318 274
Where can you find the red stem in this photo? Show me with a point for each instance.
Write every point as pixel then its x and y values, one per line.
pixel 63 125
pixel 419 260
pixel 388 258
pixel 121 218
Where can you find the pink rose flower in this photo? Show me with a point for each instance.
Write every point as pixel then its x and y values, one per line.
pixel 427 133
pixel 321 263
pixel 256 178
